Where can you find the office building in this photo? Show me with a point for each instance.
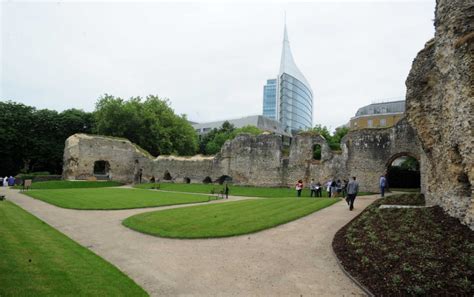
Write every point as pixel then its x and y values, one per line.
pixel 294 96
pixel 270 99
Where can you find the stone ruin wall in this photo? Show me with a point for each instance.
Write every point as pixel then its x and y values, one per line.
pixel 440 107
pixel 250 160
pixel 371 151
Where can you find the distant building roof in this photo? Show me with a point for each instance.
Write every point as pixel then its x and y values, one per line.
pixel 258 121
pixel 382 108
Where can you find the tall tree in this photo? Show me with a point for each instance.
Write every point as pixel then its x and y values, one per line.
pixel 150 123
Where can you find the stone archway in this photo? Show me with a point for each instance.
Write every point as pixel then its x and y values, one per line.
pixel 224 179
pixel 403 171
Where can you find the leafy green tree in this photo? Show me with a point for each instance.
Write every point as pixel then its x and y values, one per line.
pixel 323 131
pixel 411 164
pixel 212 142
pixel 150 123
pixel 33 140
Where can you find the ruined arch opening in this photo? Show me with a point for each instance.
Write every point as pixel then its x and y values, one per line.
pixel 224 179
pixel 403 171
pixel 317 152
pixel 101 168
pixel 187 180
pixel 207 180
pixel 167 175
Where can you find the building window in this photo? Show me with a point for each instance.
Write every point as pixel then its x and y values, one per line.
pixel 383 122
pixel 370 123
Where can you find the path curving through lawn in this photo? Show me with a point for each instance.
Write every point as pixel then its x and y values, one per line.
pixel 294 259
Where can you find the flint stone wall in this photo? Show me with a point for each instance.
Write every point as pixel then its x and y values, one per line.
pixel 250 160
pixel 440 107
pixel 371 152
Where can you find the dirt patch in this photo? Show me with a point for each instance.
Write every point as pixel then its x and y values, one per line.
pixel 420 251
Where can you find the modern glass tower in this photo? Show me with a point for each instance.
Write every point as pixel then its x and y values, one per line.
pixel 293 101
pixel 295 98
pixel 270 99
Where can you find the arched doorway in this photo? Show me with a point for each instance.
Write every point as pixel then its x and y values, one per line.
pixel 403 172
pixel 167 175
pixel 224 179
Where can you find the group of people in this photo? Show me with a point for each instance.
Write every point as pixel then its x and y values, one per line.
pixel 347 189
pixel 7 181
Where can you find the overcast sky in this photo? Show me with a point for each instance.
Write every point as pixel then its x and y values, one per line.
pixel 210 59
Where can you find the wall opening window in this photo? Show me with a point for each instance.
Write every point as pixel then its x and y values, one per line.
pixel 383 122
pixel 370 123
pixel 316 152
pixel 167 175
pixel 101 167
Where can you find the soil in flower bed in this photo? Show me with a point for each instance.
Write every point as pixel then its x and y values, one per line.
pixel 396 252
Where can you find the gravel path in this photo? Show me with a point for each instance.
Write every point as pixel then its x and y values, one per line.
pixel 294 259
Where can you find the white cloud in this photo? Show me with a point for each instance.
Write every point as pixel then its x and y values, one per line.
pixel 210 59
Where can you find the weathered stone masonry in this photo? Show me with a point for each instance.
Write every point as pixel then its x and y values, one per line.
pixel 250 160
pixel 440 107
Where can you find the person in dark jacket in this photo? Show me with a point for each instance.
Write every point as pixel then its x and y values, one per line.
pixel 352 190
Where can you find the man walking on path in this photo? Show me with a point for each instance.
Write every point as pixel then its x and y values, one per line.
pixel 382 184
pixel 352 190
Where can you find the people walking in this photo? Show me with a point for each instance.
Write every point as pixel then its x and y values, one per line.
pixel 328 188
pixel 338 187
pixel 226 191
pixel 344 188
pixel 11 181
pixel 333 188
pixel 319 190
pixel 313 188
pixel 352 190
pixel 382 184
pixel 5 181
pixel 299 188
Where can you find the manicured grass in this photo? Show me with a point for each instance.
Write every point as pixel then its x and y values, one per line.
pixel 66 184
pixel 407 252
pixel 225 219
pixel 37 260
pixel 112 198
pixel 234 190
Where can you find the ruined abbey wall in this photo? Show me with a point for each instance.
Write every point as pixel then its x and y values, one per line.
pixel 440 107
pixel 261 160
pixel 371 151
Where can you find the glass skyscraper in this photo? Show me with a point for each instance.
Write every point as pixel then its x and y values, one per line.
pixel 294 97
pixel 270 99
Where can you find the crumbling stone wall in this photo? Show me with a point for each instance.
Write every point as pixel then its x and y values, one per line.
pixel 371 151
pixel 260 160
pixel 440 106
pixel 123 157
pixel 301 164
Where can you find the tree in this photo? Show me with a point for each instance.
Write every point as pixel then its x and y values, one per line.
pixel 212 142
pixel 33 140
pixel 151 123
pixel 323 131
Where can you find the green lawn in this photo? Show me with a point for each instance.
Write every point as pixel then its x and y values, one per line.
pixel 225 219
pixel 112 198
pixel 37 260
pixel 234 190
pixel 66 184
